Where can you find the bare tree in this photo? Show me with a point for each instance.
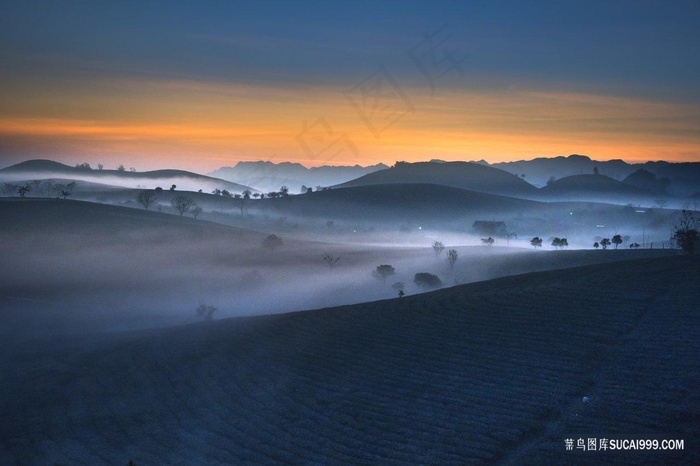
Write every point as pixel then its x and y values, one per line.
pixel 331 260
pixel 147 198
pixel 685 233
pixel 182 203
pixel 22 190
pixel 242 203
pixel 452 257
pixel 438 247
pixel 196 211
pixel 10 188
pixel 383 271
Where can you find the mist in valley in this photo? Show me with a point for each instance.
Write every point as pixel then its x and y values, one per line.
pixel 75 266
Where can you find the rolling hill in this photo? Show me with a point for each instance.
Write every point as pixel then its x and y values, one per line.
pixel 492 372
pixel 462 175
pixel 47 169
pixel 595 188
pixel 398 202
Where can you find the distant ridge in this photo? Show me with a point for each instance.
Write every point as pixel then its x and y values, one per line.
pixel 683 177
pixel 269 176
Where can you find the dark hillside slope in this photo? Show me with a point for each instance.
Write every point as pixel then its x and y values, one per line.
pixel 597 188
pixel 462 175
pixel 489 372
pixel 398 202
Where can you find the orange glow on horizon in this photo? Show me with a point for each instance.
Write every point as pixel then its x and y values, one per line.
pixel 203 126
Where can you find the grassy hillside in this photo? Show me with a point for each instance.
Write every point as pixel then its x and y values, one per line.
pixel 489 372
pixel 398 202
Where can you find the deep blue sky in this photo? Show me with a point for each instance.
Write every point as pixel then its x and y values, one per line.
pixel 637 49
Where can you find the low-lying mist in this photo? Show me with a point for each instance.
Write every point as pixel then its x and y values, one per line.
pixel 109 278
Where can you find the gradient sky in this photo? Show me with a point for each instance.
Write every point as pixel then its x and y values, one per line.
pixel 199 85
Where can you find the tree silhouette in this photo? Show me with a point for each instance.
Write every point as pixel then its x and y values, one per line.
pixel 536 242
pixel 559 242
pixel 284 191
pixel 452 257
pixel 182 203
pixel 685 233
pixel 22 190
pixel 427 280
pixel 398 287
pixel 146 198
pixel 616 240
pixel 488 241
pixel 605 242
pixel 197 211
pixel 331 260
pixel 438 247
pixel 272 242
pixel 596 245
pixel 383 271
pixel 206 312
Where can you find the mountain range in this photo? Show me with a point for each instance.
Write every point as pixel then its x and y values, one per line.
pixel 683 178
pixel 269 176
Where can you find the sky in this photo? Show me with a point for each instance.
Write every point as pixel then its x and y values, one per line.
pixel 203 84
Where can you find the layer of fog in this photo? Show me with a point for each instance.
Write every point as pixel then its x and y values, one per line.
pixel 61 282
pixel 114 181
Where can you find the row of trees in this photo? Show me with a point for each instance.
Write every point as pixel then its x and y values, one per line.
pixel 422 279
pixel 40 188
pixel 451 254
pixel 86 166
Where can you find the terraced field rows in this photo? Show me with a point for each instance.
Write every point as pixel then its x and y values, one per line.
pixel 492 371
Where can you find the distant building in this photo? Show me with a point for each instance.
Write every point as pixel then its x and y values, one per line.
pixel 485 228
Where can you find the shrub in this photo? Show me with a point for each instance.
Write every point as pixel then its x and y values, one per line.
pixel 427 280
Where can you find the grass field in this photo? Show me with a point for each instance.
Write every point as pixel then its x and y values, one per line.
pixel 493 371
